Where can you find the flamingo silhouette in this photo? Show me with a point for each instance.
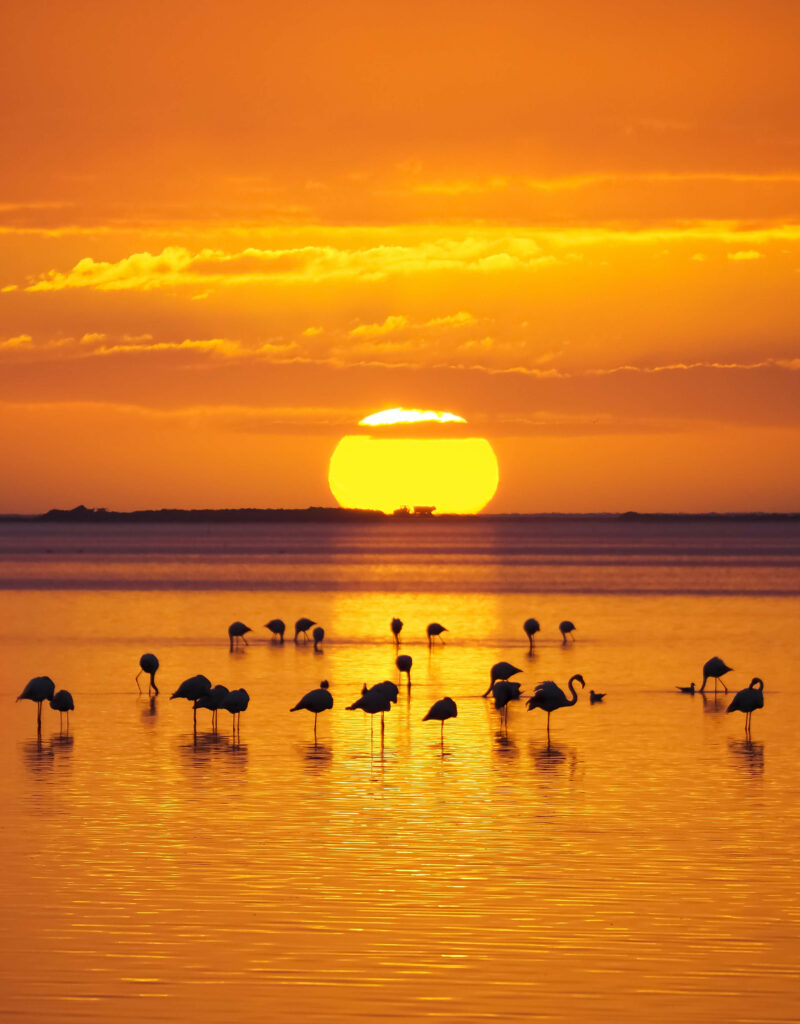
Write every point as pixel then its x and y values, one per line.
pixel 236 631
pixel 236 702
pixel 404 663
pixel 504 692
pixel 374 700
pixel 211 701
pixel 193 689
pixel 503 670
pixel 319 636
pixel 62 701
pixel 148 663
pixel 440 712
pixel 302 626
pixel 434 630
pixel 531 627
pixel 714 669
pixel 566 628
pixel 397 628
pixel 39 689
pixel 550 697
pixel 748 701
pixel 277 627
pixel 316 701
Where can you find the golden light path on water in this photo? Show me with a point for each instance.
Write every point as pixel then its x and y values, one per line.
pixel 453 474
pixel 640 866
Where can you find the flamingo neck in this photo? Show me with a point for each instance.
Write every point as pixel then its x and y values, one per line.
pixel 572 691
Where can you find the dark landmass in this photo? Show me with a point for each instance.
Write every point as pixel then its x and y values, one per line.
pixel 320 514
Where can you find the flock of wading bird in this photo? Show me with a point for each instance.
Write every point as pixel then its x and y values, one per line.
pixel 378 699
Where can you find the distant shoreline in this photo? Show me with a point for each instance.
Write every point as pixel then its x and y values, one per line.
pixel 321 514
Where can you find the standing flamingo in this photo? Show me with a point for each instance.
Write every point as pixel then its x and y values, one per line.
pixel 319 636
pixel 302 626
pixel 531 627
pixel 236 702
pixel 193 689
pixel 316 701
pixel 62 702
pixel 566 629
pixel 748 701
pixel 397 628
pixel 277 627
pixel 503 670
pixel 440 712
pixel 714 669
pixel 373 701
pixel 39 689
pixel 504 692
pixel 404 663
pixel 148 663
pixel 212 701
pixel 434 630
pixel 236 631
pixel 550 697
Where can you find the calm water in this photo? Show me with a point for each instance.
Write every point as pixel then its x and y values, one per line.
pixel 642 866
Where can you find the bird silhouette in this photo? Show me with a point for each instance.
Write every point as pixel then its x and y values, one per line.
pixel 319 636
pixel 566 628
pixel 550 697
pixel 404 663
pixel 748 701
pixel 714 669
pixel 504 692
pixel 685 689
pixel 397 628
pixel 277 627
pixel 373 701
pixel 236 631
pixel 62 702
pixel 316 701
pixel 440 712
pixel 148 663
pixel 39 689
pixel 212 701
pixel 302 626
pixel 531 627
pixel 503 670
pixel 193 689
pixel 236 702
pixel 434 630
pixel 595 698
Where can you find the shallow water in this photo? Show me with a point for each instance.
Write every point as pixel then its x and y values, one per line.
pixel 642 865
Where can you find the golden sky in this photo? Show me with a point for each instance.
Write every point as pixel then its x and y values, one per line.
pixel 230 231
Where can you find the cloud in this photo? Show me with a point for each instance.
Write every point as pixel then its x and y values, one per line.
pixel 746 254
pixel 19 341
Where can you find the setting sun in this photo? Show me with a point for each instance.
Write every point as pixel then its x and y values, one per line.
pixel 387 472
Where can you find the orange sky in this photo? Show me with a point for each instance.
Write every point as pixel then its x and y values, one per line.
pixel 229 231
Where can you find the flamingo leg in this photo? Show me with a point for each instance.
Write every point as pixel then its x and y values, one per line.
pixel 315 726
pixel 137 682
pixel 153 683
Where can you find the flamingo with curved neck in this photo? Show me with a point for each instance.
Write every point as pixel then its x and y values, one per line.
pixel 550 697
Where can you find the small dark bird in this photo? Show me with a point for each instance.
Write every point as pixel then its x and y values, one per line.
pixel 550 697
pixel 236 702
pixel 531 627
pixel 148 663
pixel 503 670
pixel 567 628
pixel 595 698
pixel 404 663
pixel 316 701
pixel 62 702
pixel 302 626
pixel 39 689
pixel 440 712
pixel 714 669
pixel 193 689
pixel 397 628
pixel 277 627
pixel 319 636
pixel 748 701
pixel 434 630
pixel 685 689
pixel 236 631
pixel 212 701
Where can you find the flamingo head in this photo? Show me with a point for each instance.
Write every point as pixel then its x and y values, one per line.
pixel 579 679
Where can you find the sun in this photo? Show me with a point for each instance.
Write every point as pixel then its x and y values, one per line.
pixel 414 458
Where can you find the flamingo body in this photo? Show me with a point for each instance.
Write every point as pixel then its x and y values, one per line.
pixel 236 631
pixel 748 700
pixel 435 629
pixel 148 663
pixel 277 627
pixel 212 701
pixel 550 697
pixel 714 669
pixel 566 628
pixel 404 663
pixel 302 626
pixel 396 627
pixel 531 627
pixel 39 689
pixel 502 670
pixel 441 711
pixel 236 702
pixel 319 636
